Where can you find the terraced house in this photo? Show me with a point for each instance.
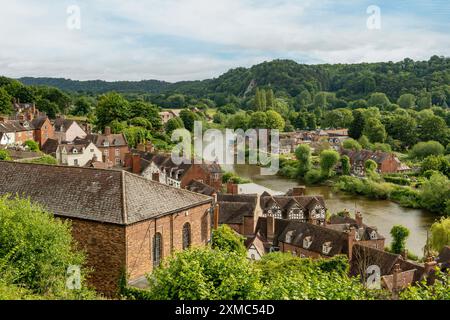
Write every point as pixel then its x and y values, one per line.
pixel 126 224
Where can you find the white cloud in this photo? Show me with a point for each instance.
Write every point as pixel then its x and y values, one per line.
pixel 185 39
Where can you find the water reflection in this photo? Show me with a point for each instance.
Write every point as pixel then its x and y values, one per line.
pixel 382 214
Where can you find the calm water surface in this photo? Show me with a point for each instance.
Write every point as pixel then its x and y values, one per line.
pixel 382 214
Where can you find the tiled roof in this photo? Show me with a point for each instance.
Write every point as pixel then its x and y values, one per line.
pixel 319 236
pixel 39 122
pixel 61 123
pixel 14 126
pixel 200 187
pixel 344 223
pixel 114 140
pixel 108 196
pixel 233 208
pixel 50 146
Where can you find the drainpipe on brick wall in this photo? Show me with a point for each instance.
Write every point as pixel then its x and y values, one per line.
pixel 171 234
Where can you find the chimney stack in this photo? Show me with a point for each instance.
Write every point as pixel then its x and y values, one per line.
pixel 136 164
pixel 270 221
pixel 232 188
pixel 299 191
pixel 107 131
pixel 216 216
pixel 351 233
pixel 359 219
pixel 430 265
pixel 395 281
pixel 405 254
pixel 141 147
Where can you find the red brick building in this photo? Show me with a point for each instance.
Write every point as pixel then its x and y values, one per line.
pixel 125 223
pixel 387 162
pixel 43 130
pixel 114 147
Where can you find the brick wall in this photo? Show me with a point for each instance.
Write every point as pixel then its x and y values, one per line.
pixel 140 237
pixel 197 172
pixel 389 165
pixel 104 245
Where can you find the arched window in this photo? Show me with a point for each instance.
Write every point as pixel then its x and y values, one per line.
pixel 186 236
pixel 157 249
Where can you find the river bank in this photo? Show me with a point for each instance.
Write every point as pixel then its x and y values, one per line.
pixel 383 214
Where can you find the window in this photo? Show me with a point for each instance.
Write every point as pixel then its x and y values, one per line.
pixel 373 235
pixel 75 162
pixel 186 236
pixel 106 152
pixel 117 152
pixel 289 236
pixel 117 161
pixel 326 248
pixel 307 242
pixel 296 214
pixel 92 150
pixel 157 249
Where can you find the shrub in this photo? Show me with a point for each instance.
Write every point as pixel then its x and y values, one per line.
pixel 226 239
pixel 425 149
pixel 32 145
pixel 36 249
pixel 399 235
pixel 313 176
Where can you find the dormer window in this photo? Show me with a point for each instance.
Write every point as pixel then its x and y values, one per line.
pixel 307 242
pixel 357 236
pixel 296 214
pixel 373 235
pixel 326 248
pixel 289 236
pixel 106 143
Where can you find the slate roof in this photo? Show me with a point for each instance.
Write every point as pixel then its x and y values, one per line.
pixel 14 126
pixel 261 228
pixel 62 123
pixel 50 146
pixel 200 187
pixel 344 223
pixel 114 140
pixel 319 236
pixel 233 208
pixel 39 122
pixel 285 202
pixel 109 196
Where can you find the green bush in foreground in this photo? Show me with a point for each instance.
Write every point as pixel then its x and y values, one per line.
pixel 36 250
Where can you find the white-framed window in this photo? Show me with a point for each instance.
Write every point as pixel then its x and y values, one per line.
pixel 106 152
pixel 326 248
pixel 373 235
pixel 117 152
pixel 307 242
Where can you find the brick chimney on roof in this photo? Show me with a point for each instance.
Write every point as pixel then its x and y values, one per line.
pixel 107 131
pixel 136 164
pixel 299 191
pixel 430 265
pixel 359 219
pixel 270 222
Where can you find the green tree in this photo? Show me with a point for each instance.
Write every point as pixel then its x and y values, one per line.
pixel 435 194
pixel 188 117
pixel 5 102
pixel 440 234
pixel 258 120
pixel 173 124
pixel 205 274
pixel 328 160
pixel 425 149
pixel 32 145
pixel 351 144
pixel 4 155
pixel 337 118
pixel 82 107
pixel 111 106
pixel 375 130
pixel 345 164
pixel 402 127
pixel 407 101
pixel 303 154
pixel 226 239
pixel 357 125
pixel 141 109
pixel 440 290
pixel 274 120
pixel 378 99
pixel 177 101
pixel 38 249
pixel 432 127
pixel 436 163
pixel 399 235
pixel 270 99
pixel 239 120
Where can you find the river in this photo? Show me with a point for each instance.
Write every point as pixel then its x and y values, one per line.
pixel 379 213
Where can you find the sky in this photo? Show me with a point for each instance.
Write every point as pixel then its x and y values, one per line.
pixel 176 40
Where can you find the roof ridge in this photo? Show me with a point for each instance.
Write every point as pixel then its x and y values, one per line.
pixel 123 198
